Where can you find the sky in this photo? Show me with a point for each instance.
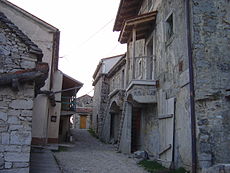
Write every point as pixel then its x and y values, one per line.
pixel 86 34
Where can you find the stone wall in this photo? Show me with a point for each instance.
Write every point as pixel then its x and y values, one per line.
pixel 211 48
pixel 101 91
pixel 15 106
pixel 96 104
pixel 85 101
pixel 170 68
pixel 15 128
pixel 103 103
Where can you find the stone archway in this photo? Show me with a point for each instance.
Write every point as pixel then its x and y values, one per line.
pixel 115 114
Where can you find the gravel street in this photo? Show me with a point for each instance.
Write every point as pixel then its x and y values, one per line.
pixel 89 155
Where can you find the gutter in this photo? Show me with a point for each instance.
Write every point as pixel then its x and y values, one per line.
pixel 191 87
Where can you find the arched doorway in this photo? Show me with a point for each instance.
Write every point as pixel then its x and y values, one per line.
pixel 115 114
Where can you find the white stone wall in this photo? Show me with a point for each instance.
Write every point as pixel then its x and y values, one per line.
pixel 15 106
pixel 15 127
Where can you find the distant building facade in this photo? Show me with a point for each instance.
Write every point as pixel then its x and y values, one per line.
pixel 101 90
pixel 83 118
pixel 176 94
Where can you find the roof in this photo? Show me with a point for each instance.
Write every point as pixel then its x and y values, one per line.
pixel 117 66
pixel 69 82
pixel 33 48
pixel 127 9
pixel 83 110
pixel 143 24
pixel 29 15
pixel 86 95
pixel 101 62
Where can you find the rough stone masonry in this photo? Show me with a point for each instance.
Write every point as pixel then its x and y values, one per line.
pixel 17 56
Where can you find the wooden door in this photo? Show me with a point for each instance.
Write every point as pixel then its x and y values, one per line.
pixel 83 122
pixel 166 129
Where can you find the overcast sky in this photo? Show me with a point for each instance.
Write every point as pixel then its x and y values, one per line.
pixel 86 33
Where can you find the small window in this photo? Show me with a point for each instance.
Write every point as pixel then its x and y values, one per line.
pixel 140 68
pixel 169 27
pixel 123 79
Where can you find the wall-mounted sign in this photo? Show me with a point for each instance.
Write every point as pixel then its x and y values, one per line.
pixel 53 118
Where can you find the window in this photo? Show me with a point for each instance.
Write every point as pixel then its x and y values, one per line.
pixel 149 65
pixel 113 84
pixel 123 79
pixel 169 27
pixel 140 68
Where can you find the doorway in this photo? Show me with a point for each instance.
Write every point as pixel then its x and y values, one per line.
pixel 83 120
pixel 136 130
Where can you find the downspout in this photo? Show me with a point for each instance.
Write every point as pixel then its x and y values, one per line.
pixel 55 56
pixel 191 87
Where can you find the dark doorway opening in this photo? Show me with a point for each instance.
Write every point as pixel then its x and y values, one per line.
pixel 136 130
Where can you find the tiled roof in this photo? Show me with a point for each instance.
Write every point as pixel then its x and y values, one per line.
pixel 33 48
pixel 83 110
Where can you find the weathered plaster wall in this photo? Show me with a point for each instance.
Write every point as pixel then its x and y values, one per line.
pixel 15 106
pixel 53 127
pixel 125 141
pixel 211 48
pixel 171 70
pixel 150 131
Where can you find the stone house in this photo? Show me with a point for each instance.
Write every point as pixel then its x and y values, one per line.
pixel 176 100
pixel 101 90
pixel 22 74
pixel 83 118
pixel 113 113
pixel 46 37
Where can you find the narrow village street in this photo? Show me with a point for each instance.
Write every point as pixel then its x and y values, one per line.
pixel 89 155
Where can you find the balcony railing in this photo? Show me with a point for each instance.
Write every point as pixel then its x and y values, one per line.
pixel 68 103
pixel 143 68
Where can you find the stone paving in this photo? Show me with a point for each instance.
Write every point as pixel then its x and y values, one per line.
pixel 89 155
pixel 43 161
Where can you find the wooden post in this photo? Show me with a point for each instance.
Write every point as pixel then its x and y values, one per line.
pixel 133 56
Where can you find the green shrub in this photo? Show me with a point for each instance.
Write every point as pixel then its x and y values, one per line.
pixel 154 167
pixel 92 132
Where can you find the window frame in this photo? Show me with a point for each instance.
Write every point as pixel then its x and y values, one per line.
pixel 167 39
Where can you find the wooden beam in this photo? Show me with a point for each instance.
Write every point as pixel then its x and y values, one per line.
pixel 165 116
pixel 165 149
pixel 133 55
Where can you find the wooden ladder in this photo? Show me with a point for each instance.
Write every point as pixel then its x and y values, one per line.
pixel 121 124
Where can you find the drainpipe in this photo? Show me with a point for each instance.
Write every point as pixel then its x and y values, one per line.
pixel 191 87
